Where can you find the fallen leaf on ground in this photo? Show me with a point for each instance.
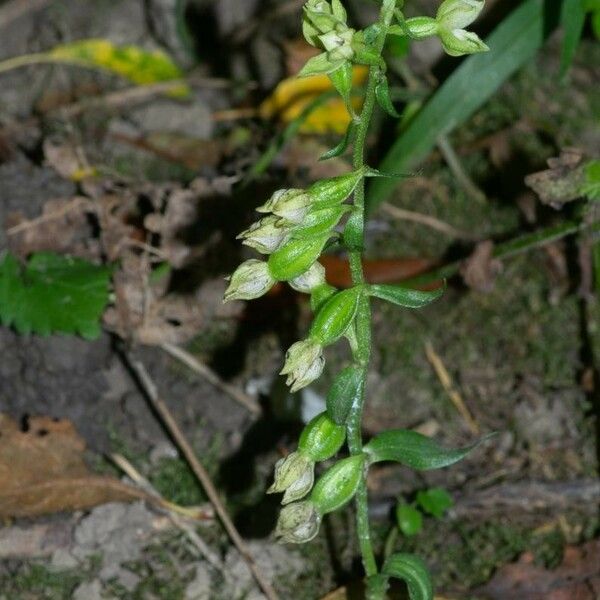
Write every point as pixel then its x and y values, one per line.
pixel 293 95
pixel 481 268
pixel 42 471
pixel 376 271
pixel 562 182
pixel 577 578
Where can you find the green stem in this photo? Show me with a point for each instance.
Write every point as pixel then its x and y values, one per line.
pixel 363 319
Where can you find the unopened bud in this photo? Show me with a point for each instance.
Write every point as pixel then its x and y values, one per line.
pixel 330 192
pixel 337 486
pixel 294 475
pixel 304 362
pixel 311 279
pixel 458 14
pixel 457 42
pixel 336 315
pixel 250 280
pixel 280 198
pixel 321 438
pixel 266 236
pixel 296 257
pixel 421 27
pixel 298 523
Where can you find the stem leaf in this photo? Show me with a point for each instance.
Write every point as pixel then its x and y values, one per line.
pixel 414 450
pixel 344 392
pixel 405 297
pixel 382 93
pixel 344 143
pixel 413 571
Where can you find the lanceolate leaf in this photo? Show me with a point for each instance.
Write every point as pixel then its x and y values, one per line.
pixel 382 93
pixel 514 42
pixel 572 18
pixel 413 571
pixel 406 297
pixel 414 450
pixel 343 145
pixel 345 390
pixel 53 294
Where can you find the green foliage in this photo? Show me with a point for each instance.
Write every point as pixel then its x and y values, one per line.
pixel 435 501
pixel 591 185
pixel 512 44
pixel 414 450
pixel 344 392
pixel 572 18
pixel 53 293
pixel 405 297
pixel 413 571
pixel 409 519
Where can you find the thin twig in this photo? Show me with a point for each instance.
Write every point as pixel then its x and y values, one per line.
pixel 55 214
pixel 458 171
pixel 204 371
pixel 200 472
pixel 15 9
pixel 446 381
pixel 429 221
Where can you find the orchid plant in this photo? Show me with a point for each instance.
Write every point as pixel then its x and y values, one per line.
pixel 298 226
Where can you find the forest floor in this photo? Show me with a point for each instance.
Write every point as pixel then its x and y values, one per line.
pixel 513 336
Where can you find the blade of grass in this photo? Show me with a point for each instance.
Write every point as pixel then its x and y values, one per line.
pixel 514 42
pixel 572 19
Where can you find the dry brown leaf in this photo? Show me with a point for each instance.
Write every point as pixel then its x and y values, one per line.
pixel 62 227
pixel 577 578
pixel 562 182
pixel 68 160
pixel 481 268
pixel 42 471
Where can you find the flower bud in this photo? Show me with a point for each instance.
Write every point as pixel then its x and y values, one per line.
pixel 330 192
pixel 308 281
pixel 320 295
pixel 457 42
pixel 280 198
pixel 298 523
pixel 266 236
pixel 321 438
pixel 421 27
pixel 338 484
pixel 304 362
pixel 458 14
pixel 296 257
pixel 294 475
pixel 318 222
pixel 338 45
pixel 250 280
pixel 336 315
pixel 320 17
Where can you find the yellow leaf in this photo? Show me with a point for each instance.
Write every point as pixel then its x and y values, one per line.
pixel 291 97
pixel 136 64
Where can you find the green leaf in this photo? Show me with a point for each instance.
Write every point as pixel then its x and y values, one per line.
pixel 409 519
pixel 341 79
pixel 53 294
pixel 413 571
pixel 406 297
pixel 591 185
pixel 572 19
pixel 344 143
pixel 414 450
pixel 344 392
pixel 382 93
pixel 514 42
pixel 435 501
